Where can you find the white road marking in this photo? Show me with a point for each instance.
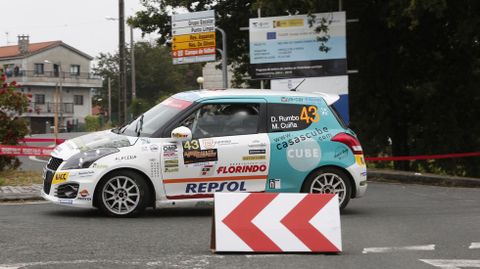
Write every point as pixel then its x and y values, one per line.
pixel 399 249
pixel 453 264
pixel 474 245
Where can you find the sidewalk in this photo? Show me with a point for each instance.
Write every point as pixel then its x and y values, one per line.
pixel 380 175
pixel 10 193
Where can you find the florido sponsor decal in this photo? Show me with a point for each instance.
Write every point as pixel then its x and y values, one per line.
pixel 236 169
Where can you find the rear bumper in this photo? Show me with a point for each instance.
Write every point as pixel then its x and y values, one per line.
pixel 359 175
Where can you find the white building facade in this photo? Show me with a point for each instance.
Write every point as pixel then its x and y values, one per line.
pixel 50 69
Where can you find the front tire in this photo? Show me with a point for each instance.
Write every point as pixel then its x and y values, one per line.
pixel 330 180
pixel 122 194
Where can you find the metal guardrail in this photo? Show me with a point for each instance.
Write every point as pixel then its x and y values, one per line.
pixel 49 107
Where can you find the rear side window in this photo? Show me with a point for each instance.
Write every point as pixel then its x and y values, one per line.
pixel 291 117
pixel 337 116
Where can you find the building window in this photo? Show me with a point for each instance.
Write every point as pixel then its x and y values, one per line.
pixel 78 100
pixel 75 70
pixel 40 99
pixel 38 69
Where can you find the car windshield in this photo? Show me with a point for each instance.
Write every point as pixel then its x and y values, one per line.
pixel 155 118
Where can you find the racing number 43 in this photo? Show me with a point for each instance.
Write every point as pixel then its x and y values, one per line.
pixel 309 114
pixel 191 145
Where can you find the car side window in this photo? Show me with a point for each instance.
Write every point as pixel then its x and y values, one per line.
pixel 214 120
pixel 291 117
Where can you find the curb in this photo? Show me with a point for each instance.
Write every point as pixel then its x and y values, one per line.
pixel 10 193
pixel 376 175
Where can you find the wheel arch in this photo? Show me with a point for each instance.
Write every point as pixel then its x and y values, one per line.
pixel 149 182
pixel 350 177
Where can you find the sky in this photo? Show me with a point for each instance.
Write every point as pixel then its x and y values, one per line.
pixel 80 23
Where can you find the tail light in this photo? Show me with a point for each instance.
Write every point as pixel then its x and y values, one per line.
pixel 350 141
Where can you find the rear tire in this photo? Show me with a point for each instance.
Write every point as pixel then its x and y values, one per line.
pixel 122 194
pixel 330 180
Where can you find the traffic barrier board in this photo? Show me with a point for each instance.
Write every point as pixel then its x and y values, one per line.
pixel 273 222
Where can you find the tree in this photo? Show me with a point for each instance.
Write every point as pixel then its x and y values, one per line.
pixel 418 62
pixel 12 127
pixel 230 16
pixel 155 76
pixel 418 80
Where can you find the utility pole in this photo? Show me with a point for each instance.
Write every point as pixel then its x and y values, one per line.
pixel 123 79
pixel 132 56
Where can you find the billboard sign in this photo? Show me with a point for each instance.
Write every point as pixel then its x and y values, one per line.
pixel 193 37
pixel 288 46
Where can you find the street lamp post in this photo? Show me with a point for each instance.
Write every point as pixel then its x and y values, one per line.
pixel 123 70
pixel 200 81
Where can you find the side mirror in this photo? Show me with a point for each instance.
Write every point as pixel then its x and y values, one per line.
pixel 181 133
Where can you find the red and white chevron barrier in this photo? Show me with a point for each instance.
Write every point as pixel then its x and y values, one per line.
pixel 276 222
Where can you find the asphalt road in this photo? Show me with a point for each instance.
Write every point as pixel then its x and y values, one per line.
pixel 394 226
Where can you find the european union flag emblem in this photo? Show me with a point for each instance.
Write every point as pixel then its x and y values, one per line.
pixel 271 35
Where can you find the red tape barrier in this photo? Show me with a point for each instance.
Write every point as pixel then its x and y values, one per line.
pixel 41 140
pixel 15 150
pixel 422 157
pixel 24 150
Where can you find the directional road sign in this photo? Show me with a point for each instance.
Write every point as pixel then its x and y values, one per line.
pixel 193 37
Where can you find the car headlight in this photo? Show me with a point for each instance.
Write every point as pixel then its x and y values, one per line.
pixel 85 159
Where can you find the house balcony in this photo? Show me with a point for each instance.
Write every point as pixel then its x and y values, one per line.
pixel 48 109
pixel 52 78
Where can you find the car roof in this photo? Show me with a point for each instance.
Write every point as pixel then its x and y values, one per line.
pixel 201 94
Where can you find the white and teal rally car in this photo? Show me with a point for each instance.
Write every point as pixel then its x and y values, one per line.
pixel 196 143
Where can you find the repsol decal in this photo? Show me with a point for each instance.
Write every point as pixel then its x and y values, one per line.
pixel 318 134
pixel 237 169
pixel 204 187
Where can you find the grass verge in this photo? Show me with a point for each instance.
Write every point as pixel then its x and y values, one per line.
pixel 20 178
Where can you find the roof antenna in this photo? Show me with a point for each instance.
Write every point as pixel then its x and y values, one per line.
pixel 295 89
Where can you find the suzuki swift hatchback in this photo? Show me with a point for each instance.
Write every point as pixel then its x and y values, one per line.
pixel 196 143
